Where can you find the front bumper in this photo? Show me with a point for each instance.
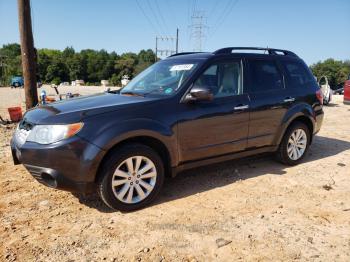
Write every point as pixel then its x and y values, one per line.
pixel 69 165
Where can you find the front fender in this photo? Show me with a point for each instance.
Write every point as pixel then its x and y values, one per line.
pixel 299 110
pixel 112 133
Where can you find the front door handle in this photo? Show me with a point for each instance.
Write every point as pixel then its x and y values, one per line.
pixel 241 107
pixel 289 99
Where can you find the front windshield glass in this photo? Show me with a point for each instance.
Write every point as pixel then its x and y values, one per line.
pixel 162 78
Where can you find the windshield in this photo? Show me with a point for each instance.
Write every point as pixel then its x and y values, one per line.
pixel 162 78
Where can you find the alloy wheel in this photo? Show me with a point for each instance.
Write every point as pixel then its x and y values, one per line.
pixel 134 179
pixel 297 143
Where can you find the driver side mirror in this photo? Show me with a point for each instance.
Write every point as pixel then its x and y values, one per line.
pixel 199 93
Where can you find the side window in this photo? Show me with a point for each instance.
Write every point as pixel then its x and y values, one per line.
pixel 265 76
pixel 223 79
pixel 297 74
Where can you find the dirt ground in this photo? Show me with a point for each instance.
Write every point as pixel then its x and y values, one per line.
pixel 12 97
pixel 248 210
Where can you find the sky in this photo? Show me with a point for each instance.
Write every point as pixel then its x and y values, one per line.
pixel 314 29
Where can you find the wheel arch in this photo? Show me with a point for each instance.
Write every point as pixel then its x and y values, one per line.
pixel 156 144
pixel 305 117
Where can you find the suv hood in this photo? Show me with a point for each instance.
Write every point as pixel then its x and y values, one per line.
pixel 75 109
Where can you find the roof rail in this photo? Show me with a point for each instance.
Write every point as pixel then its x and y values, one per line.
pixel 271 51
pixel 184 53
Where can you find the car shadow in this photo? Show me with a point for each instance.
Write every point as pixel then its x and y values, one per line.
pixel 332 105
pixel 206 178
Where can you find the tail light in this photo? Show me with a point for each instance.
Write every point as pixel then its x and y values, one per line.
pixel 319 96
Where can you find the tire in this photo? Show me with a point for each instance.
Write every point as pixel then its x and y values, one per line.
pixel 327 100
pixel 116 168
pixel 283 154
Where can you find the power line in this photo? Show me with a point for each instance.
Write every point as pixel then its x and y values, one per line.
pixel 216 4
pixel 146 16
pixel 225 13
pixel 160 14
pixel 194 6
pixel 155 16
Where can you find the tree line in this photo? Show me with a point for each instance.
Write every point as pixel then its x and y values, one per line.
pixel 55 66
pixel 336 71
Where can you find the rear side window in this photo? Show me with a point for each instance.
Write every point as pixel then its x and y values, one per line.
pixel 265 76
pixel 297 75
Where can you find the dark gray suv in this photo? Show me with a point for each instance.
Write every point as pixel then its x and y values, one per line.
pixel 188 110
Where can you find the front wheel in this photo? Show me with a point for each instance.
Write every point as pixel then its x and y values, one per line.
pixel 294 144
pixel 131 177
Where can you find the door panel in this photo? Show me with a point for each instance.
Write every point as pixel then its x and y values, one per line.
pixel 269 101
pixel 267 112
pixel 220 126
pixel 213 128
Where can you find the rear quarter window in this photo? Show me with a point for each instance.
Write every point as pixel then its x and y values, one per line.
pixel 264 76
pixel 297 75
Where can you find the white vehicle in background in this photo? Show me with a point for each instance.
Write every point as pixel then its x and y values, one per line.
pixel 125 80
pixel 326 90
pixel 104 82
pixel 78 83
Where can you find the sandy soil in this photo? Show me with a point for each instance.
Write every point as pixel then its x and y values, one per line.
pixel 252 209
pixel 11 97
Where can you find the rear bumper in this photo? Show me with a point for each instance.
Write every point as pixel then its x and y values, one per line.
pixel 319 115
pixel 69 165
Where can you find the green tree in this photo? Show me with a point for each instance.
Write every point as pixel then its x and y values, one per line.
pixel 336 71
pixel 125 65
pixel 145 59
pixel 10 56
pixel 57 72
pixel 55 66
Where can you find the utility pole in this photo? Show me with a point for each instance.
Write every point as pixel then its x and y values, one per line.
pixel 155 54
pixel 168 47
pixel 177 40
pixel 28 54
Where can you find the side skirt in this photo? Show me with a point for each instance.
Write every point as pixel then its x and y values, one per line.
pixel 223 158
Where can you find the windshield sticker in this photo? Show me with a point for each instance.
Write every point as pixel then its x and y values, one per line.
pixel 184 67
pixel 168 90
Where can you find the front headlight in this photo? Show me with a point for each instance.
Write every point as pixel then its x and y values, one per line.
pixel 47 134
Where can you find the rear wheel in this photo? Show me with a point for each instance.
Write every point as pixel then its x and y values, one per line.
pixel 294 144
pixel 131 177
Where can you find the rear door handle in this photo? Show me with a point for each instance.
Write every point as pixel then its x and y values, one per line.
pixel 289 99
pixel 241 107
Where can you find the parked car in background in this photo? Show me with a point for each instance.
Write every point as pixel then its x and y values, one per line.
pixel 189 110
pixel 17 81
pixel 326 90
pixel 125 80
pixel 338 89
pixel 347 91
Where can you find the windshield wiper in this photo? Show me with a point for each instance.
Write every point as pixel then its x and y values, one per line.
pixel 130 93
pixel 112 91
